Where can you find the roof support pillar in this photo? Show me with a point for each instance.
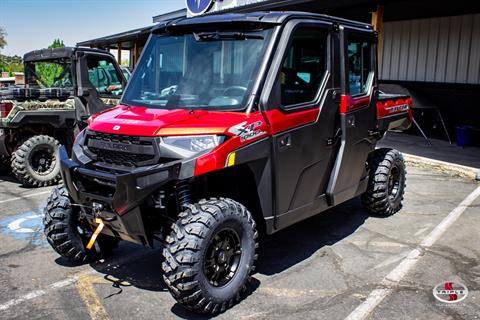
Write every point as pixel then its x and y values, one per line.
pixel 377 22
pixel 135 54
pixel 119 53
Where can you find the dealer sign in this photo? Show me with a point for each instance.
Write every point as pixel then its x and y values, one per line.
pixel 197 7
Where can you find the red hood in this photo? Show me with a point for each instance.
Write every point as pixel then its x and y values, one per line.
pixel 140 121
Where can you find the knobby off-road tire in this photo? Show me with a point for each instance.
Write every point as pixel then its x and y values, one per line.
pixel 65 234
pixel 194 249
pixel 386 184
pixel 35 163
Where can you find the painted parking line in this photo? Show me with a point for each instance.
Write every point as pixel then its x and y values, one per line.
pixel 89 296
pixel 72 280
pixel 25 196
pixel 392 279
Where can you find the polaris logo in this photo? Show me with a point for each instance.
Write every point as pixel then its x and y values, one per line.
pixel 120 147
pixel 116 128
pixel 105 145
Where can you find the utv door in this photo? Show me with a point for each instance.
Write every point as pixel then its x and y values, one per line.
pixel 357 114
pixel 100 83
pixel 303 126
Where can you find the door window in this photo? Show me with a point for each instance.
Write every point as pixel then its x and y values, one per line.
pixel 304 66
pixel 104 76
pixel 360 65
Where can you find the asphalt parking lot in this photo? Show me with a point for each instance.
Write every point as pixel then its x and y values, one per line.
pixel 338 264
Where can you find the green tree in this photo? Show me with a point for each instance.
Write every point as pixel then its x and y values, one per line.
pixel 3 38
pixel 47 71
pixel 57 43
pixel 3 43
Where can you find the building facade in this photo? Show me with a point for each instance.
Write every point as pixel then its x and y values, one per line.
pixel 431 50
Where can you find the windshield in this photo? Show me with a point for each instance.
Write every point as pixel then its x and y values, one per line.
pixel 212 71
pixel 49 74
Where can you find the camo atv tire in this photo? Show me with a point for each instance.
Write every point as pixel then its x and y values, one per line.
pixel 387 182
pixel 209 255
pixel 67 234
pixel 35 163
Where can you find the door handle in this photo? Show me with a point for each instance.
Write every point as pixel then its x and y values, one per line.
pixel 285 142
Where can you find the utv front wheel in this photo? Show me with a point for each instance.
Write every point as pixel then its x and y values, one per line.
pixel 67 234
pixel 210 255
pixel 387 182
pixel 35 162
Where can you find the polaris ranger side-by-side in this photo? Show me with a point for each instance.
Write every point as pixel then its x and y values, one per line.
pixel 231 125
pixel 63 87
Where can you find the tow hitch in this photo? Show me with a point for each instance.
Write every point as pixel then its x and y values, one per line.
pixel 97 208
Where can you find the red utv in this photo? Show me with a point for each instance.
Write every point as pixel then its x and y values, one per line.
pixel 231 125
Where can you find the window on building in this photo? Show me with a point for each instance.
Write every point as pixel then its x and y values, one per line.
pixel 304 66
pixel 360 64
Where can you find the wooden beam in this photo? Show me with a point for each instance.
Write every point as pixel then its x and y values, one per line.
pixel 119 53
pixel 377 23
pixel 135 54
pixel 139 52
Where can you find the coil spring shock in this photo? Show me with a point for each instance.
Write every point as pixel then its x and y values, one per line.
pixel 183 194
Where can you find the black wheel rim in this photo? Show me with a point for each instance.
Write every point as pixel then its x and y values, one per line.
pixel 394 182
pixel 222 257
pixel 42 160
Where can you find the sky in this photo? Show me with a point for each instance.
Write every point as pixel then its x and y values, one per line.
pixel 34 24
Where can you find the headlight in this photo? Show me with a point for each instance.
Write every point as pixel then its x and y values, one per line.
pixel 188 146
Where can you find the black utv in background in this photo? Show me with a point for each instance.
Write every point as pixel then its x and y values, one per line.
pixel 63 87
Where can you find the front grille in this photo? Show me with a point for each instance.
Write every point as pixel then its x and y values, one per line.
pixel 121 150
pixel 120 158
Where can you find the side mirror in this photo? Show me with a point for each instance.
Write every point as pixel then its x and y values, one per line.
pixel 84 118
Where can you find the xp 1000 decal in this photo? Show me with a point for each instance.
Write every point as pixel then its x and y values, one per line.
pixel 247 131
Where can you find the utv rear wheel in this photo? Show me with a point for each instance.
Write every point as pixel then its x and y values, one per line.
pixel 67 234
pixel 210 255
pixel 35 162
pixel 387 182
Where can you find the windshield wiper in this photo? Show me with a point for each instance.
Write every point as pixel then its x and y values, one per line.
pixel 219 36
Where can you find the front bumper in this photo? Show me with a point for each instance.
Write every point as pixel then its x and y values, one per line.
pixel 120 194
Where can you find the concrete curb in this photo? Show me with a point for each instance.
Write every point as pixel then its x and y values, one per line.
pixel 447 167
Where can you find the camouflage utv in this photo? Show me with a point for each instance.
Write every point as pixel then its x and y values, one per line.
pixel 63 87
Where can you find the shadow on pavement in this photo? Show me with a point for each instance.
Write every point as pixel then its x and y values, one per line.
pixel 7 177
pixel 183 313
pixel 277 252
pixel 298 242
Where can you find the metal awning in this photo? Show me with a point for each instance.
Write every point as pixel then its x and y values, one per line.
pixel 127 39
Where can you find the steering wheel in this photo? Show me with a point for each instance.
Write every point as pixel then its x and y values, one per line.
pixel 235 91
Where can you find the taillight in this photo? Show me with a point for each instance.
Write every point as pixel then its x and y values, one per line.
pixel 5 108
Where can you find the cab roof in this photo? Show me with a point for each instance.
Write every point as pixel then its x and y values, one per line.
pixel 252 18
pixel 57 53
